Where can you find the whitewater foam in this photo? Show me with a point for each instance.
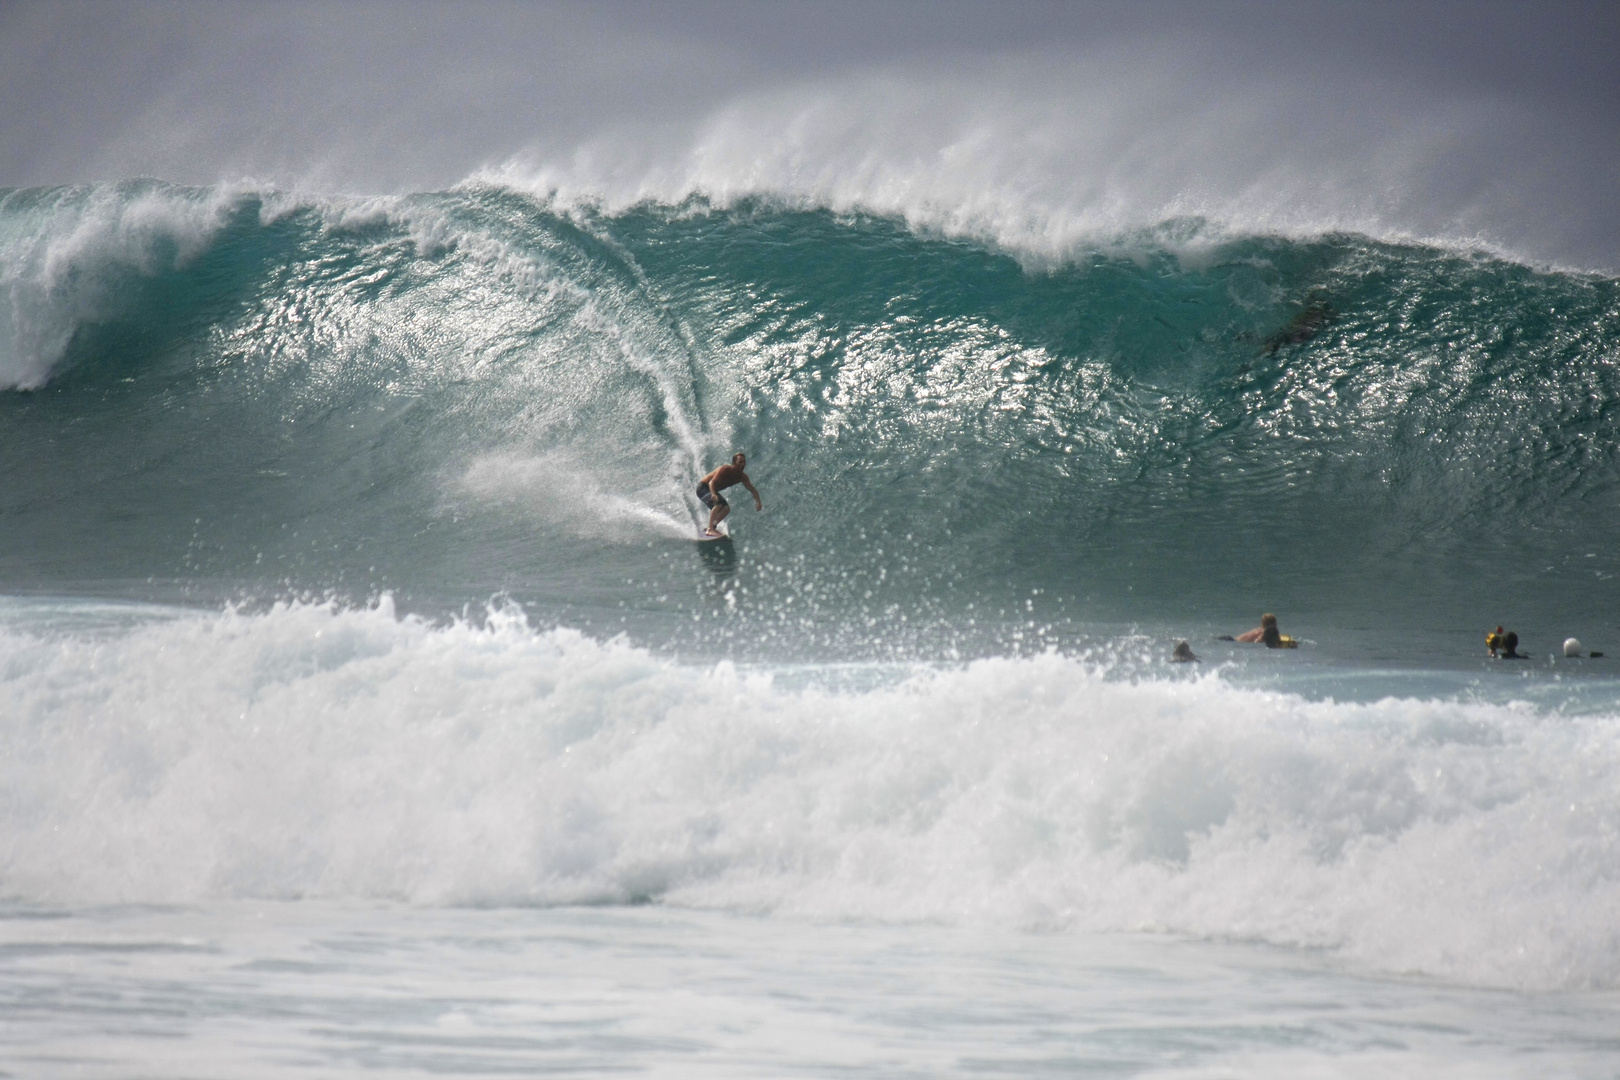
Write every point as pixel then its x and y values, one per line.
pixel 310 751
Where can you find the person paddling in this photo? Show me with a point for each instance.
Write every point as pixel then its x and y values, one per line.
pixel 1266 634
pixel 710 487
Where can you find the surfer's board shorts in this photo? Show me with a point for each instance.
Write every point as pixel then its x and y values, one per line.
pixel 711 499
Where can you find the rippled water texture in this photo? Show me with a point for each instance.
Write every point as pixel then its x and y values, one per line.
pixel 313 990
pixel 235 394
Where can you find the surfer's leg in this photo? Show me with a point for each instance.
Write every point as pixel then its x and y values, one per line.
pixel 718 514
pixel 713 502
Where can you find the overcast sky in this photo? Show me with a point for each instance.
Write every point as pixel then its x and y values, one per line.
pixel 1495 120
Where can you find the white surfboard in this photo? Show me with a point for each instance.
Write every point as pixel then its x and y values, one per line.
pixel 704 537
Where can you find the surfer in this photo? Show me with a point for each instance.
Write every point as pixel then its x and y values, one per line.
pixel 1183 654
pixel 1316 317
pixel 1266 633
pixel 710 487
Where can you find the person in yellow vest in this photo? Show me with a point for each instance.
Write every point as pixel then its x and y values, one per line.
pixel 1267 634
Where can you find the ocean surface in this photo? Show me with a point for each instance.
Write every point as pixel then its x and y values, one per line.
pixel 368 708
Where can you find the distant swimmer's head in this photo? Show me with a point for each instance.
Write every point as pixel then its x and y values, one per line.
pixel 1183 653
pixel 1268 619
pixel 1269 637
pixel 1510 644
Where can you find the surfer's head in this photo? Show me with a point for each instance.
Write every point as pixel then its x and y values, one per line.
pixel 1268 619
pixel 739 459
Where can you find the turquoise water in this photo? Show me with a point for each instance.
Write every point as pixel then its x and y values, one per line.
pixel 347 563
pixel 222 396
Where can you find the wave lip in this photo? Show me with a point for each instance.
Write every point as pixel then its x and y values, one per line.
pixel 74 255
pixel 1055 158
pixel 311 751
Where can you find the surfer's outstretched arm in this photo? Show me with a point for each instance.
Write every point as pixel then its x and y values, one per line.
pixel 757 504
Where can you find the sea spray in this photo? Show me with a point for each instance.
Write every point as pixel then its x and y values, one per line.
pixel 312 751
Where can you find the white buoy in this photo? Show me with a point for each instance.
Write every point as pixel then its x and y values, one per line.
pixel 1572 646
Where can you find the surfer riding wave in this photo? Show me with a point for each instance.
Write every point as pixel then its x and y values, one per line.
pixel 709 488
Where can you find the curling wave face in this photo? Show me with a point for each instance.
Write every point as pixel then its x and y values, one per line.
pixel 241 393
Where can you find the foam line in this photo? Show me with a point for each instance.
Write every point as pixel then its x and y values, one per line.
pixel 315 752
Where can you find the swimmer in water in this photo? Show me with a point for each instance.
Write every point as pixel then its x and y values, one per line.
pixel 1510 647
pixel 1183 654
pixel 1266 634
pixel 1268 621
pixel 1493 642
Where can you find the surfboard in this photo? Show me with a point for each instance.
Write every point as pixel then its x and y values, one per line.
pixel 704 537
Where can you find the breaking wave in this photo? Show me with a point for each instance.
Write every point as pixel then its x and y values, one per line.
pixel 308 751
